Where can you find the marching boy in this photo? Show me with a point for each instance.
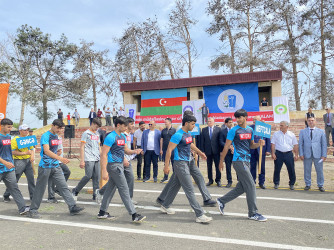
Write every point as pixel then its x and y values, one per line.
pixel 49 167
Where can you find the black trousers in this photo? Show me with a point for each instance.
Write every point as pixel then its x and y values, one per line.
pixel 228 165
pixel 139 162
pixel 213 158
pixel 286 158
pixel 149 157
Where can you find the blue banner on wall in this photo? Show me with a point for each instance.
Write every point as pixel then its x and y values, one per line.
pixel 230 98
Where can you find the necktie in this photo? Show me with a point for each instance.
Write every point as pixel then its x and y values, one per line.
pixel 210 132
pixel 327 118
pixel 311 133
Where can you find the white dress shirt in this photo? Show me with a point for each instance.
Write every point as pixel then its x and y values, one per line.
pixel 284 142
pixel 150 141
pixel 138 134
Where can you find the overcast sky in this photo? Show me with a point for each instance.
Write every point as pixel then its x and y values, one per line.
pixel 99 21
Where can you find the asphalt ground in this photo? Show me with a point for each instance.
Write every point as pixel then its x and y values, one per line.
pixel 296 220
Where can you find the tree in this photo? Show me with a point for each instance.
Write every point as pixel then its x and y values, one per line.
pixel 50 63
pixel 319 16
pixel 180 24
pixel 286 42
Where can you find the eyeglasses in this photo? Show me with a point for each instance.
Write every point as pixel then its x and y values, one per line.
pixel 150 124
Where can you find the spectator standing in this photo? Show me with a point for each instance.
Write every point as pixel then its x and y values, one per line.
pixel 211 148
pixel 255 156
pixel 60 114
pixel 308 115
pixel 137 144
pixel 121 112
pixel 99 114
pixel 91 116
pixel 76 117
pixel 205 113
pixel 284 149
pixel 108 116
pixel 264 102
pixel 166 134
pixel 229 156
pixel 68 118
pixel 150 143
pixel 329 124
pixel 114 115
pixel 313 148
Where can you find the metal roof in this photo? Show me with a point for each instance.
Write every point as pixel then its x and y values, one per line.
pixel 261 76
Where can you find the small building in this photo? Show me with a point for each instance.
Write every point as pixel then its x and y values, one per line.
pixel 269 85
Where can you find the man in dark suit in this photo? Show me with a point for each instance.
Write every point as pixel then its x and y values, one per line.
pixel 255 154
pixel 211 147
pixel 92 115
pixel 150 143
pixel 229 156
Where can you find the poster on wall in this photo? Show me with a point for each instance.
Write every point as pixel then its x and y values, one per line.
pixel 130 110
pixel 281 109
pixel 194 106
pixel 230 98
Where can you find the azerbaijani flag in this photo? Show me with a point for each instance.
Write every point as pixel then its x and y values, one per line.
pixel 162 102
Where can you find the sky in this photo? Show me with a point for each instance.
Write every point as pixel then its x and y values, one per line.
pixel 99 21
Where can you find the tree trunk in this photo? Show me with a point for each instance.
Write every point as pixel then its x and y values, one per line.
pixel 23 106
pixel 93 83
pixel 45 105
pixel 188 44
pixel 138 63
pixel 323 88
pixel 230 38
pixel 165 56
pixel 251 66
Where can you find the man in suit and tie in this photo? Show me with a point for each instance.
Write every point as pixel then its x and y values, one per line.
pixel 329 124
pixel 211 147
pixel 313 148
pixel 91 116
pixel 229 156
pixel 150 143
pixel 255 155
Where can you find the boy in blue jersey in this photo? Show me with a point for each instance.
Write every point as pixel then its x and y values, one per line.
pixel 242 138
pixel 181 143
pixel 49 168
pixel 7 173
pixel 112 157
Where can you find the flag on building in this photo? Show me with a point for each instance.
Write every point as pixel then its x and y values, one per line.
pixel 281 109
pixel 162 102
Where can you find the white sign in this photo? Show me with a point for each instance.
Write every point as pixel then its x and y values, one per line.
pixel 281 109
pixel 194 106
pixel 131 110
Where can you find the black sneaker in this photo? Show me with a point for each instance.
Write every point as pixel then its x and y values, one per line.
pixel 221 206
pixel 25 210
pixel 94 197
pixel 158 202
pixel 6 199
pixel 137 218
pixel 74 194
pixel 76 209
pixel 209 203
pixel 34 214
pixel 52 200
pixel 321 189
pixel 306 188
pixel 106 215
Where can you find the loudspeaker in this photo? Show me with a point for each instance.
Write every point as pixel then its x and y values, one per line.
pixel 69 131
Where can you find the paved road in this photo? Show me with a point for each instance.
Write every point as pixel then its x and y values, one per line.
pixel 297 220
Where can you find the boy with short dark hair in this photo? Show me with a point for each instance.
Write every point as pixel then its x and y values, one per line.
pixel 242 137
pixel 7 173
pixel 49 167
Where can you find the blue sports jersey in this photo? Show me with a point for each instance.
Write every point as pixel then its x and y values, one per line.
pixel 183 141
pixel 53 141
pixel 6 152
pixel 116 143
pixel 241 138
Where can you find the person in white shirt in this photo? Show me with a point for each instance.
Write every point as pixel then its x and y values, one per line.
pixel 284 149
pixel 137 144
pixel 121 112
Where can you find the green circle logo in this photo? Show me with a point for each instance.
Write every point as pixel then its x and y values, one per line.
pixel 281 109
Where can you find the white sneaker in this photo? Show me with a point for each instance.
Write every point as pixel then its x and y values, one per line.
pixel 98 196
pixel 75 197
pixel 134 202
pixel 203 219
pixel 167 210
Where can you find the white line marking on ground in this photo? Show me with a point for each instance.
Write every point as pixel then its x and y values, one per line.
pixel 182 210
pixel 159 234
pixel 219 195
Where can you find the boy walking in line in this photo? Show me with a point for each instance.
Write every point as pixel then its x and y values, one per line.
pixel 242 137
pixel 112 158
pixel 181 143
pixel 49 167
pixel 90 158
pixel 7 168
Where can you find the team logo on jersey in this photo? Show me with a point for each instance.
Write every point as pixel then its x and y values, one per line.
pixel 120 142
pixel 247 136
pixel 6 142
pixel 189 140
pixel 55 142
pixel 94 137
